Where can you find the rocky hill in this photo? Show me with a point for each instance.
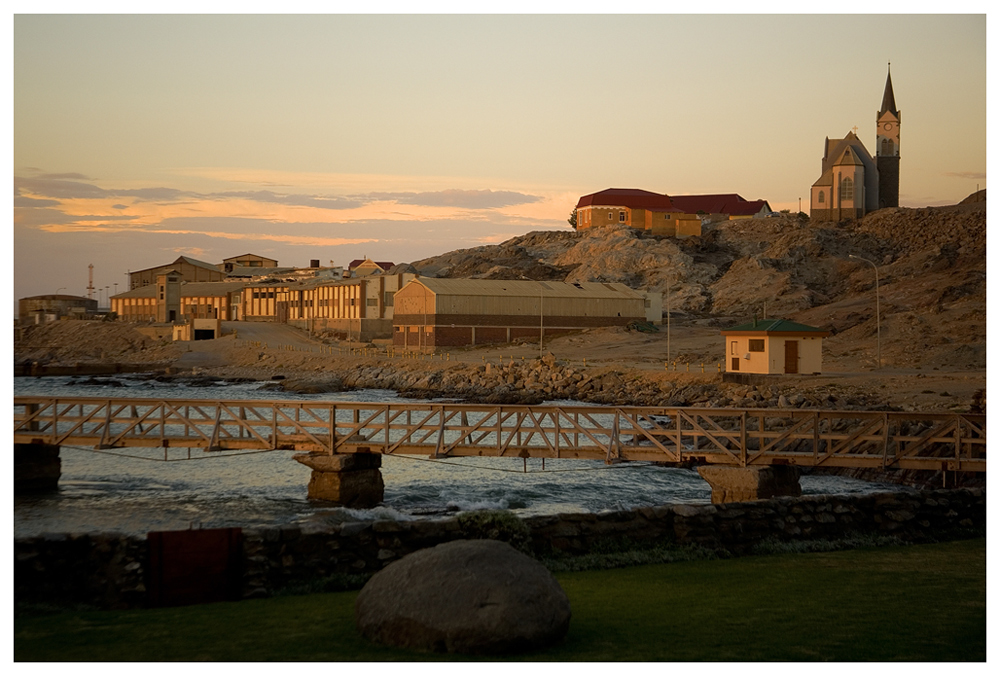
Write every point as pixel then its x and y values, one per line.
pixel 931 266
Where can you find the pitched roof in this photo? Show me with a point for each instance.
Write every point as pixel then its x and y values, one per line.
pixel 835 148
pixel 775 326
pixel 188 289
pixel 888 100
pixel 525 288
pixel 385 265
pixel 631 198
pixel 246 255
pixel 727 203
pixel 849 156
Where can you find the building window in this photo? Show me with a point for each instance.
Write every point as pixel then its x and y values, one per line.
pixel 847 189
pixel 822 197
pixel 610 216
pixel 372 302
pixel 621 216
pixel 756 344
pixel 388 299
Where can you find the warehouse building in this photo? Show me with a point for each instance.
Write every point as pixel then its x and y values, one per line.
pixel 432 313
pixel 54 306
pixel 189 269
pixel 169 299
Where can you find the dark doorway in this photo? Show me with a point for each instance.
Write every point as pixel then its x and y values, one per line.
pixel 791 356
pixel 204 334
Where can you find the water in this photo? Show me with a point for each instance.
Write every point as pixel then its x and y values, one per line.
pixel 135 490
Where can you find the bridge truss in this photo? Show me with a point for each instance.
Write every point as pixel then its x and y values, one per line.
pixel 731 436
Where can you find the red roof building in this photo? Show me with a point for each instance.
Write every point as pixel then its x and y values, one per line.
pixel 638 209
pixel 729 204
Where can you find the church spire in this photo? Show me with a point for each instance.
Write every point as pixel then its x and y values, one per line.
pixel 888 100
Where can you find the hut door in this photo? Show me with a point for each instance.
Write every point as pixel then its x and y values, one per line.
pixel 791 356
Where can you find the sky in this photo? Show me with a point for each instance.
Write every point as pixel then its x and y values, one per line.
pixel 141 138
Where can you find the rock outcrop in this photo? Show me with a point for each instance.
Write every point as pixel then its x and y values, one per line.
pixel 466 596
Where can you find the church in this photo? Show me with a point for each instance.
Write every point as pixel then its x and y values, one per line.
pixel 853 183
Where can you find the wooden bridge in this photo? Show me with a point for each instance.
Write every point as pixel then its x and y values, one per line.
pixel 674 435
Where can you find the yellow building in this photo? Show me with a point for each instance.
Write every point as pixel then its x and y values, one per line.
pixel 639 209
pixel 169 300
pixel 774 346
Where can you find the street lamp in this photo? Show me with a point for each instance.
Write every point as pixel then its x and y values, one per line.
pixel 668 325
pixel 878 324
pixel 541 315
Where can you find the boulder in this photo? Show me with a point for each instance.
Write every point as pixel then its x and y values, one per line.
pixel 464 596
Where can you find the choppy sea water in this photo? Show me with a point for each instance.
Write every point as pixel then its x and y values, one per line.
pixel 140 490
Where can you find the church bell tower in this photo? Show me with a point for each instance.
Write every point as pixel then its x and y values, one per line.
pixel 887 148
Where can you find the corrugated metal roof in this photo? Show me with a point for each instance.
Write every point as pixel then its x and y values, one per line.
pixel 519 287
pixel 775 326
pixel 189 289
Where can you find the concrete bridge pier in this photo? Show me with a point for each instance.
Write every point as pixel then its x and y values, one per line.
pixel 37 468
pixel 350 480
pixel 758 482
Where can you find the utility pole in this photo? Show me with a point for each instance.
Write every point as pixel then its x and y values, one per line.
pixel 90 285
pixel 878 325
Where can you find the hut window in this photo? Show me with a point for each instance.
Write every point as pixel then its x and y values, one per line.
pixel 822 197
pixel 756 345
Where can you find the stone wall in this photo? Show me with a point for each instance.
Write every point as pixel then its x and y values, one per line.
pixel 108 570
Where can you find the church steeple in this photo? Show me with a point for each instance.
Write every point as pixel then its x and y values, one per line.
pixel 887 122
pixel 888 100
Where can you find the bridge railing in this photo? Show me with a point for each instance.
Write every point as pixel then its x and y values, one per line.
pixel 663 434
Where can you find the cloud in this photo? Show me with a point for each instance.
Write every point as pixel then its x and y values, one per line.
pixel 58 188
pixel 57 221
pixel 150 194
pixel 70 175
pixel 970 175
pixel 315 201
pixel 65 189
pixel 465 199
pixel 119 206
pixel 25 202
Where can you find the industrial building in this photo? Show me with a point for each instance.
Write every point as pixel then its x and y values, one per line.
pixel 361 307
pixel 189 269
pixel 432 313
pixel 169 299
pixel 53 307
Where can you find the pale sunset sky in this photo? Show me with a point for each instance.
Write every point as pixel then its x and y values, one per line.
pixel 140 138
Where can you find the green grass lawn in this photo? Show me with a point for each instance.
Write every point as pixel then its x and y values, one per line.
pixel 916 603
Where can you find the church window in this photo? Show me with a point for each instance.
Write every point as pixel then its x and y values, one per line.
pixel 847 189
pixel 887 147
pixel 822 197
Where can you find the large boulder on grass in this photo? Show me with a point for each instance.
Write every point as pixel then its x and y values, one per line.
pixel 465 596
